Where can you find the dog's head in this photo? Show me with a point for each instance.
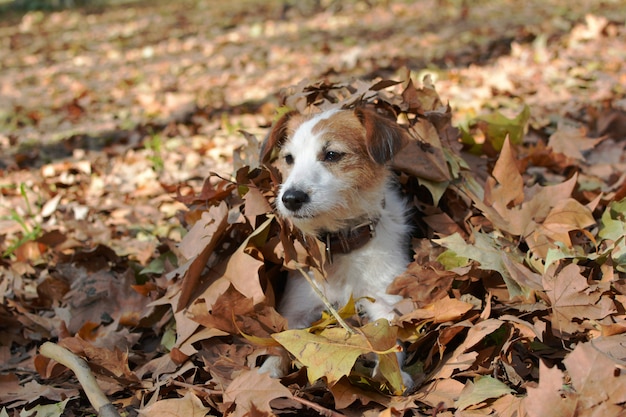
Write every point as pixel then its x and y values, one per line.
pixel 333 165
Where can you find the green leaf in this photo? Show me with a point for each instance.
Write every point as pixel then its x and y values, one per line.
pixel 450 260
pixel 497 127
pixel 489 252
pixel 613 221
pixel 613 229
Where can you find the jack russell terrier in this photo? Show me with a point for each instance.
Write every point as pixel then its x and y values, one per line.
pixel 337 187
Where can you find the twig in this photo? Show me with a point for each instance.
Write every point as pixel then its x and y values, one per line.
pixel 327 303
pixel 96 397
pixel 322 410
pixel 197 388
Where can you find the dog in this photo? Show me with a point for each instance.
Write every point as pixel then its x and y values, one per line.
pixel 338 188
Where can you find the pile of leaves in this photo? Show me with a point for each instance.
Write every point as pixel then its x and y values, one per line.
pixel 514 300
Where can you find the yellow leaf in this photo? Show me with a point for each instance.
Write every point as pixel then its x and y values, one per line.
pixel 333 352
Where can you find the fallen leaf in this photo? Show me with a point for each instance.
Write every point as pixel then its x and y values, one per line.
pixel 597 379
pixel 46 410
pixel 572 141
pixel 189 406
pixel 546 398
pixel 442 392
pixel 252 392
pixel 463 358
pixel 479 390
pixel 333 352
pixel 572 298
pixel 441 311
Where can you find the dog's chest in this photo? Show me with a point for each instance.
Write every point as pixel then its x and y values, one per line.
pixel 367 271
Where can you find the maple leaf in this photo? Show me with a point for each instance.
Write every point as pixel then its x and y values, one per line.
pixel 596 388
pixel 572 298
pixel 509 189
pixel 496 255
pixel 595 377
pixel 572 141
pixel 333 352
pixel 544 216
pixel 546 399
pixel 253 391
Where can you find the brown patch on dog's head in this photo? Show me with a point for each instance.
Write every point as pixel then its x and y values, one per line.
pixel 383 137
pixel 280 132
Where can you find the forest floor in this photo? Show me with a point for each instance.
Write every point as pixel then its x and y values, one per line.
pixel 112 119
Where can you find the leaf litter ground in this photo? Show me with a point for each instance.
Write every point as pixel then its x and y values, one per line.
pixel 119 244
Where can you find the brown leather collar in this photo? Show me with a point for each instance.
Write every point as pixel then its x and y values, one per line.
pixel 348 240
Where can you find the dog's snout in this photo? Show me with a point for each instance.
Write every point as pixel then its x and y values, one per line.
pixel 295 199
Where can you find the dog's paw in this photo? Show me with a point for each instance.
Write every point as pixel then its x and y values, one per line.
pixel 275 366
pixel 407 380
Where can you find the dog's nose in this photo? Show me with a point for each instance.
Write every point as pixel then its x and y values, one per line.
pixel 295 199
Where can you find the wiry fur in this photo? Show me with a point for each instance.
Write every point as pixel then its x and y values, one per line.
pixel 342 193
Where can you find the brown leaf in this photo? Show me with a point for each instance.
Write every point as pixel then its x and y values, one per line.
pixel 509 190
pixel 189 406
pixel 596 378
pixel 441 311
pixel 463 358
pixel 197 247
pixel 252 391
pixel 15 394
pixel 440 392
pixel 572 141
pixel 111 362
pixel 424 284
pixel 572 298
pixel 345 394
pixel 546 399
pixel 598 388
pixel 422 154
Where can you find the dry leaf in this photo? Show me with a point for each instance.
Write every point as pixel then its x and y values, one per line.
pixel 189 406
pixel 252 392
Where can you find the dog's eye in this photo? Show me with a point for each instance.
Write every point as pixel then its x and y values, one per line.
pixel 289 159
pixel 332 156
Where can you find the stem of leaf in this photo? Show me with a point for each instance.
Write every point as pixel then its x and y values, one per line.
pixel 327 303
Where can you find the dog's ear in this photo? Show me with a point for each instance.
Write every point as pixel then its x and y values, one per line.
pixel 383 137
pixel 276 137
